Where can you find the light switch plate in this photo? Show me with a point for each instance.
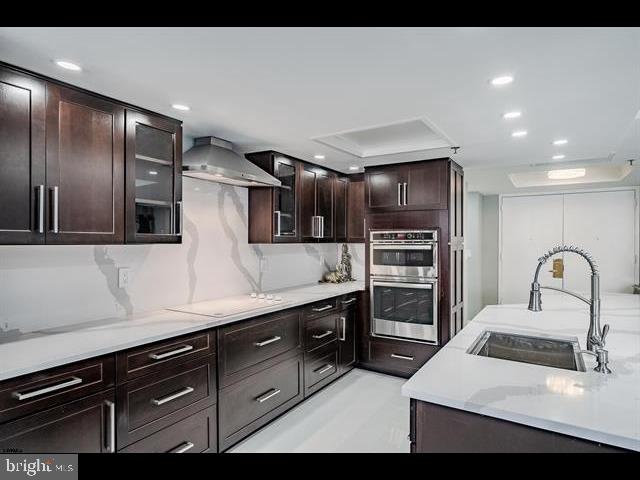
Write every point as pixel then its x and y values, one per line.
pixel 123 277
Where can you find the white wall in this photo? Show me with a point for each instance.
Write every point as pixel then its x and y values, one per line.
pixel 48 286
pixel 490 248
pixel 473 254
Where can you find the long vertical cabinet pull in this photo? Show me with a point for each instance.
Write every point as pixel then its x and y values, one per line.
pixel 55 209
pixel 111 427
pixel 399 194
pixel 278 220
pixel 40 221
pixel 180 214
pixel 343 333
pixel 404 193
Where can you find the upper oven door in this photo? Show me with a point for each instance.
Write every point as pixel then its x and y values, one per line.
pixel 405 310
pixel 398 260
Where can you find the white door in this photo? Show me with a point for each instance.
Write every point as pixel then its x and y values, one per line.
pixel 603 224
pixel 530 225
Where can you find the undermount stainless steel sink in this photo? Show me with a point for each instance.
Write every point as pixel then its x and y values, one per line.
pixel 521 347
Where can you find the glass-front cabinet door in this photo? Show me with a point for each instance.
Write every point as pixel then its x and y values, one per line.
pixel 154 181
pixel 405 310
pixel 285 204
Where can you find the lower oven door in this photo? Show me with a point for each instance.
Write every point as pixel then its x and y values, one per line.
pixel 405 310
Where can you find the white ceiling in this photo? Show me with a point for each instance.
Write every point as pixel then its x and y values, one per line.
pixel 281 87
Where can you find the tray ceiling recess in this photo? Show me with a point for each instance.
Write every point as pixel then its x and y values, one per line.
pixel 400 137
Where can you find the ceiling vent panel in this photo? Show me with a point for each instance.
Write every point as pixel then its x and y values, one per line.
pixel 400 137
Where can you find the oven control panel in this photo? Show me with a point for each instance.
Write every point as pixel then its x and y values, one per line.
pixel 404 236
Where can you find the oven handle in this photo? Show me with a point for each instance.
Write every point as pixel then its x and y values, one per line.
pixel 423 286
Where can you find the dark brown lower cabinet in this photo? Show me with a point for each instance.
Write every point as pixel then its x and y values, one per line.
pixel 397 357
pixel 254 401
pixel 320 368
pixel 438 429
pixel 195 434
pixel 81 426
pixel 346 340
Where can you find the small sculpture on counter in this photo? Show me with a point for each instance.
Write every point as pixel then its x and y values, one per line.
pixel 343 270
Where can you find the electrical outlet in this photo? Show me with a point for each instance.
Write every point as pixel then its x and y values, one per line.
pixel 123 277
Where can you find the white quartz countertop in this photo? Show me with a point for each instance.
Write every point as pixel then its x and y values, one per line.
pixel 50 348
pixel 589 405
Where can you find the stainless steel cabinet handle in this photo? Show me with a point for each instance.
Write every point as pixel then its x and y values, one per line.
pixel 322 335
pixel 186 446
pixel 322 309
pixel 55 208
pixel 268 341
pixel 40 222
pixel 399 194
pixel 405 193
pixel 173 396
pixel 270 394
pixel 323 369
pixel 278 220
pixel 52 388
pixel 402 357
pixel 347 302
pixel 179 223
pixel 343 334
pixel 171 353
pixel 111 427
pixel 322 227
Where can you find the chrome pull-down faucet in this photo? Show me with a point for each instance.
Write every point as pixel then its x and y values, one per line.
pixel 595 336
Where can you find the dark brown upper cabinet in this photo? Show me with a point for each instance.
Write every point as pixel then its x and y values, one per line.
pixel 355 209
pixel 153 182
pixel 22 157
pixel 85 168
pixel 62 176
pixel 408 186
pixel 316 204
pixel 341 213
pixel 274 211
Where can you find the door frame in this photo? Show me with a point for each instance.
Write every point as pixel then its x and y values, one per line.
pixel 635 190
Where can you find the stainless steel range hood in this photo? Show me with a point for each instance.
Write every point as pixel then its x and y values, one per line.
pixel 213 159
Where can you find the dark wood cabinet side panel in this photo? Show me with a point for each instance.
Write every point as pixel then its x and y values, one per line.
pixel 340 211
pixel 261 214
pixel 22 156
pixel 439 429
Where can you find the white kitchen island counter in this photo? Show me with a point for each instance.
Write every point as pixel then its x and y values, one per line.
pixel 588 405
pixel 37 351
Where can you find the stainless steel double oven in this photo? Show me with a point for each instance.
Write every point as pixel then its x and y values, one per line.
pixel 404 284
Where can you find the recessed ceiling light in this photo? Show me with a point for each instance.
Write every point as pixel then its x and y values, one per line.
pixel 510 115
pixel 557 157
pixel 153 172
pixel 354 167
pixel 519 133
pixel 68 65
pixel 502 80
pixel 178 106
pixel 566 174
pixel 562 141
pixel 319 157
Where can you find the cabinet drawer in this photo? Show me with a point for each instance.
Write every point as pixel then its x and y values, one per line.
pixel 157 357
pixel 320 331
pixel 195 434
pixel 348 301
pixel 320 368
pixel 81 426
pixel 320 309
pixel 251 346
pixel 146 405
pixel 38 391
pixel 401 358
pixel 251 403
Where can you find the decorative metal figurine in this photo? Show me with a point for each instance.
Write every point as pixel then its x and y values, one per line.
pixel 343 271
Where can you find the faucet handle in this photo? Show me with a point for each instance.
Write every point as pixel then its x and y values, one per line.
pixel 605 331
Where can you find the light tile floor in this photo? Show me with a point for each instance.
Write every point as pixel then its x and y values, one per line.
pixel 361 412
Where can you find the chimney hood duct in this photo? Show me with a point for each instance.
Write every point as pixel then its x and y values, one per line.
pixel 212 159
